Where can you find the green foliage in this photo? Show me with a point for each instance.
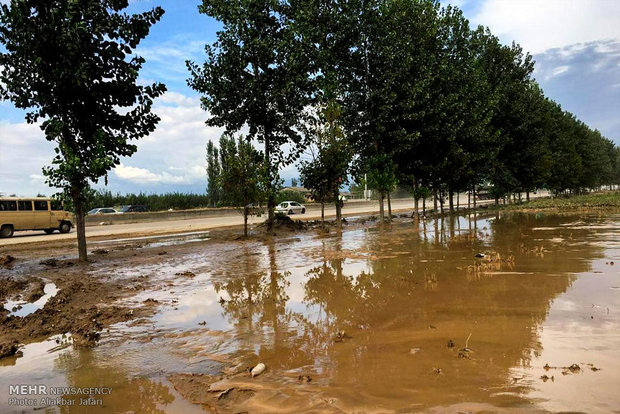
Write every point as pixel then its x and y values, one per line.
pixel 72 64
pixel 241 172
pixel 155 202
pixel 327 171
pixel 257 74
pixel 290 195
pixel 595 200
pixel 214 186
pixel 241 176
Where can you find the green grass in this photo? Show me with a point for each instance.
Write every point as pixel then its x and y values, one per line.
pixel 588 201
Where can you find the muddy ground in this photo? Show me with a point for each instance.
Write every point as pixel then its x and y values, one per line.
pixel 389 319
pixel 88 304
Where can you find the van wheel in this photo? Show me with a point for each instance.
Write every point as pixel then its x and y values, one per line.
pixel 49 231
pixel 303 211
pixel 290 212
pixel 6 231
pixel 65 227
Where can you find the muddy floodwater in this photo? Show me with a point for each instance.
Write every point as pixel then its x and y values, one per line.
pixel 394 320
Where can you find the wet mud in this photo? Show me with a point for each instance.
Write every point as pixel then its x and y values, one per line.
pixel 486 313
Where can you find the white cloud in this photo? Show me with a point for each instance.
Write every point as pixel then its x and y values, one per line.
pixel 175 152
pixel 142 175
pixel 173 155
pixel 559 70
pixel 539 25
pixel 23 152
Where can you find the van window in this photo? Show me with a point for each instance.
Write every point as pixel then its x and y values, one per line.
pixel 8 205
pixel 40 205
pixel 24 205
pixel 56 205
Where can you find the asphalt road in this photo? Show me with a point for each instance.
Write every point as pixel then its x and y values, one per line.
pixel 202 223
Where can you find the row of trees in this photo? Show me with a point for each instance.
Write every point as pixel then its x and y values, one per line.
pixel 404 91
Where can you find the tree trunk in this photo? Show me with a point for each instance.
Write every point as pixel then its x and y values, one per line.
pixel 80 223
pixel 424 207
pixel 527 196
pixel 451 200
pixel 381 208
pixel 338 211
pixel 458 201
pixel 473 195
pixel 468 200
pixel 416 200
pixel 435 199
pixel 323 213
pixel 245 221
pixel 389 200
pixel 441 194
pixel 271 200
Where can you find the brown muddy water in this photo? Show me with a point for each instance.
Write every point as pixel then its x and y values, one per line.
pixel 402 319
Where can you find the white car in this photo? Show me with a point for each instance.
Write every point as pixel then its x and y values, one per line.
pixel 105 210
pixel 290 207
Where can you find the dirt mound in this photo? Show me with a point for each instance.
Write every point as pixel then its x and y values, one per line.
pixel 6 260
pixel 81 308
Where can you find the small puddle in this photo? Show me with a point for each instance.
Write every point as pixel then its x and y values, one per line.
pixel 176 238
pixel 24 309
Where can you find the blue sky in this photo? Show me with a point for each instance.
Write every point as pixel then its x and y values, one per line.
pixel 576 45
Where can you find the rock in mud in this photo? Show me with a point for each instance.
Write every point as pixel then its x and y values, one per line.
pixel 36 291
pixel 186 274
pixel 258 369
pixel 49 262
pixel 100 251
pixel 304 379
pixel 6 260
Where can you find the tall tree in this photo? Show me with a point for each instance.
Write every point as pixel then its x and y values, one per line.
pixel 257 74
pixel 328 171
pixel 241 177
pixel 72 65
pixel 214 182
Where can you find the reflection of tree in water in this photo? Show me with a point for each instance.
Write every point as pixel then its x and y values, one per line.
pixel 257 301
pixel 129 394
pixel 416 282
pixel 429 286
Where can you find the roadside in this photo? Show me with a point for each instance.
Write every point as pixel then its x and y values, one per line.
pixel 185 225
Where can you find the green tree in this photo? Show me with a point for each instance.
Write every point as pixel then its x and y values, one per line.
pixel 294 182
pixel 214 186
pixel 257 74
pixel 327 171
pixel 241 178
pixel 72 65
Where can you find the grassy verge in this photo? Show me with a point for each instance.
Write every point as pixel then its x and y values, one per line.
pixel 607 200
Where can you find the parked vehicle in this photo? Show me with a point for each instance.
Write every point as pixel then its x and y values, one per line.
pixel 290 207
pixel 19 214
pixel 103 210
pixel 133 209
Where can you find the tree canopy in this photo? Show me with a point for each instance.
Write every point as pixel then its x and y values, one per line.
pixel 72 65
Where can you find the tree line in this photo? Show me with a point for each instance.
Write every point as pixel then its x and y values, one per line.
pixel 403 92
